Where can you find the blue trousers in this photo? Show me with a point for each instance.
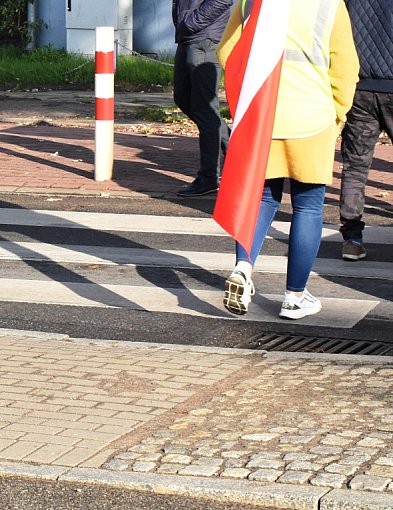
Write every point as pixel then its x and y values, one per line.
pixel 305 233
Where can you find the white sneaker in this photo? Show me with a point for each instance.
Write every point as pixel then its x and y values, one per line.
pixel 297 308
pixel 238 292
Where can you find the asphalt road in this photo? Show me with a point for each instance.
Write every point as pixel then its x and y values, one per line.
pixel 25 494
pixel 139 325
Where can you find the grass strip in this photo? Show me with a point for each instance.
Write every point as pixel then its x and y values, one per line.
pixel 53 68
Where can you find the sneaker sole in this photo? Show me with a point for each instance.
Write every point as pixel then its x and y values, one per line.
pixel 299 314
pixel 180 194
pixel 354 257
pixel 233 292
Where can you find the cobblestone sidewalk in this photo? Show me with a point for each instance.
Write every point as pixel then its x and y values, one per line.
pixel 323 422
pixel 316 426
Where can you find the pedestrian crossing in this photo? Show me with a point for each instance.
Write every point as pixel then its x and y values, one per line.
pixel 108 242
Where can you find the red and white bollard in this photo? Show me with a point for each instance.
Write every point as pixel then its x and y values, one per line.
pixel 105 103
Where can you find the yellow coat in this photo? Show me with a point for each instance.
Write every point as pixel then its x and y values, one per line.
pixel 310 159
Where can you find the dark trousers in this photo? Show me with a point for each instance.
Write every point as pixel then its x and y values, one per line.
pixel 196 81
pixel 371 113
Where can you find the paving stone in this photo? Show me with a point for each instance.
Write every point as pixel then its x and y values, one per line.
pixel 303 466
pixel 350 433
pixel 173 458
pixel 268 454
pixel 265 464
pixel 206 452
pixel 335 439
pixel 359 450
pixel 382 435
pixel 325 460
pixel 235 463
pixel 296 439
pixel 385 461
pixel 150 457
pixel 195 470
pixel 289 457
pixel 282 430
pixel 233 454
pixel 144 448
pixel 239 473
pixel 378 470
pixel 116 465
pixel 365 482
pixel 175 450
pixel 259 437
pixel 208 461
pixel 144 467
pixel 354 460
pixel 329 480
pixel 371 442
pixel 265 475
pixel 341 469
pixel 169 469
pixel 295 477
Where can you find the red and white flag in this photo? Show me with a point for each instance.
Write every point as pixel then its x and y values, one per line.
pixel 252 76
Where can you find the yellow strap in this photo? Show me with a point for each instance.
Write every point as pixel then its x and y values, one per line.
pixel 243 8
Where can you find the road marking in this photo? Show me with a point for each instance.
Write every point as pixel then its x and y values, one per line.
pixel 163 224
pixel 79 254
pixel 336 313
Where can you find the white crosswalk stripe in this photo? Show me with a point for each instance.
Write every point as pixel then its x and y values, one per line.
pixel 184 259
pixel 337 312
pixel 162 224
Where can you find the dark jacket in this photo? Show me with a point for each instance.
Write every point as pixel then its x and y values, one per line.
pixel 372 26
pixel 196 20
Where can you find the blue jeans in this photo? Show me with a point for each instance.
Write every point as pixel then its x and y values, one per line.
pixel 305 233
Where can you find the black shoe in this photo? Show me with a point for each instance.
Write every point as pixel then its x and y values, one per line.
pixel 197 188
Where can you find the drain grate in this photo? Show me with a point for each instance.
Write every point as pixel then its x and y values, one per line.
pixel 299 343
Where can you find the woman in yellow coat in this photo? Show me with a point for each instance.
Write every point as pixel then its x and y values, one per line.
pixel 317 85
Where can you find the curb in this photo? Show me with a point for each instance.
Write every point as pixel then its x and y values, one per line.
pixel 316 356
pixel 271 496
pixel 42 335
pixel 99 193
pixel 278 355
pixel 224 491
pixel 38 335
